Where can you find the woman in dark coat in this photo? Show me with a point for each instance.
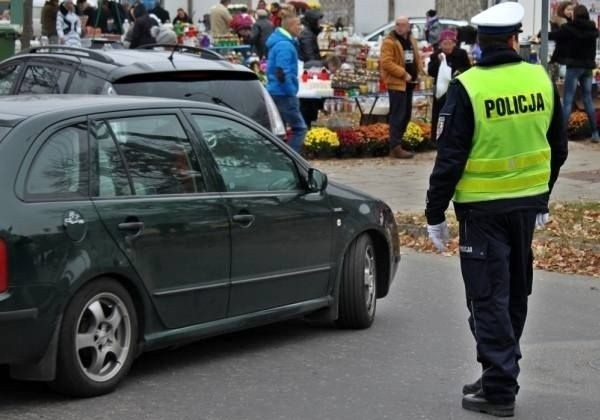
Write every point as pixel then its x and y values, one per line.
pixel 181 17
pixel 580 37
pixel 564 14
pixel 458 61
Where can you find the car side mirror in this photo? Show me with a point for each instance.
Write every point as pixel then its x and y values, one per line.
pixel 317 180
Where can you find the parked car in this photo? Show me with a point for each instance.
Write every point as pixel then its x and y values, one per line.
pixel 170 74
pixel 130 224
pixel 417 25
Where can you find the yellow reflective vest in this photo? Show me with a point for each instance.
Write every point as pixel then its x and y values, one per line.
pixel 510 155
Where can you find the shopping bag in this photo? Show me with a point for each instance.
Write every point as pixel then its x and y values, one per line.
pixel 443 79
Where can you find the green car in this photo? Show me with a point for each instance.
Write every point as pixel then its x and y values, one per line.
pixel 129 224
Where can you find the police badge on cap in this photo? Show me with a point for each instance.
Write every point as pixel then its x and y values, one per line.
pixel 503 18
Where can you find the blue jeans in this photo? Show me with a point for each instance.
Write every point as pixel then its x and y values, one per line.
pixel 584 77
pixel 289 108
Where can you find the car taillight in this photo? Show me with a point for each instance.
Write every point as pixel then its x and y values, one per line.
pixel 277 126
pixel 3 267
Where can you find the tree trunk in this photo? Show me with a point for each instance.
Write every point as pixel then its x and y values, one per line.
pixel 391 10
pixel 27 34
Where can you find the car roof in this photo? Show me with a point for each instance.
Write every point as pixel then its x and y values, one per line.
pixel 118 63
pixel 416 20
pixel 24 106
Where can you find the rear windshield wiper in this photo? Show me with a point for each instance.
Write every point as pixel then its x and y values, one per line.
pixel 214 99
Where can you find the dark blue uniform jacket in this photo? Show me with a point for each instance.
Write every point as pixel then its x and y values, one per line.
pixel 457 126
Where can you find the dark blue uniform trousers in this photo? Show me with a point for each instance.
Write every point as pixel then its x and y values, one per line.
pixel 497 268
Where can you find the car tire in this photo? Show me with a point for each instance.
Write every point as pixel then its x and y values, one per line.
pixel 358 288
pixel 97 341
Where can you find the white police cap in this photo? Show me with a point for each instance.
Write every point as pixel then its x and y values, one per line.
pixel 502 18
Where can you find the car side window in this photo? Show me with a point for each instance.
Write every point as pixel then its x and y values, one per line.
pixel 247 160
pixel 158 155
pixel 112 176
pixel 41 79
pixel 60 167
pixel 83 82
pixel 8 77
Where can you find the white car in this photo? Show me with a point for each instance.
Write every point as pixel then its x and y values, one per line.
pixel 417 27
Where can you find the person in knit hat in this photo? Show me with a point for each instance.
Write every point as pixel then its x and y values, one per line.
pixel 455 58
pixel 163 35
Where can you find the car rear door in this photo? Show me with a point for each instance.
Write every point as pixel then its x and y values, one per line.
pixel 151 195
pixel 281 235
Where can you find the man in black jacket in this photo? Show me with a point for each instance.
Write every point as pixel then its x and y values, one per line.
pixel 161 13
pixel 142 27
pixel 261 30
pixel 309 51
pixel 501 144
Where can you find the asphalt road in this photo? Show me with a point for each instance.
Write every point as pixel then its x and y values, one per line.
pixel 410 365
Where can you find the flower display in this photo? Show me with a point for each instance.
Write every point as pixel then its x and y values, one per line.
pixel 352 143
pixel 413 137
pixel 579 126
pixel 321 141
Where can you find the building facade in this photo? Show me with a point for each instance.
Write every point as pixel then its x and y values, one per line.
pixel 460 9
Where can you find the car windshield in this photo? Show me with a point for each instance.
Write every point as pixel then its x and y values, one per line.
pixel 240 94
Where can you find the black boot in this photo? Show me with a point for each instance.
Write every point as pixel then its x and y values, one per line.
pixel 473 388
pixel 479 403
pixel 476 387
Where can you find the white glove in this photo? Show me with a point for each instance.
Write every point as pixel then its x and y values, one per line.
pixel 439 234
pixel 541 219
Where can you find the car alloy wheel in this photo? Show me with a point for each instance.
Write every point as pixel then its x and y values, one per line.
pixel 103 337
pixel 97 341
pixel 370 279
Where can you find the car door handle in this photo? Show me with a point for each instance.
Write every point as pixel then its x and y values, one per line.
pixel 244 220
pixel 131 225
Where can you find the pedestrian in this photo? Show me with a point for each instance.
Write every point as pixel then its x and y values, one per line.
pixel 68 25
pixel 261 5
pixel 400 65
pixel 110 17
pixel 48 18
pixel 309 51
pixel 220 19
pixel 556 64
pixel 579 36
pixel 282 75
pixel 142 27
pixel 164 35
pixel 161 13
pixel 433 27
pixel 241 25
pixel 87 14
pixel 452 61
pixel 261 30
pixel 275 18
pixel 181 17
pixel 501 144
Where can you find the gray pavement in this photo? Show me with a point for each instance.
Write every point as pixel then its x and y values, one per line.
pixel 410 365
pixel 403 183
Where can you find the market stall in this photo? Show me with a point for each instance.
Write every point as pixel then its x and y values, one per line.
pixel 355 101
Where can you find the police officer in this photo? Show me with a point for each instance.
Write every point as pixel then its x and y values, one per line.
pixel 501 144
